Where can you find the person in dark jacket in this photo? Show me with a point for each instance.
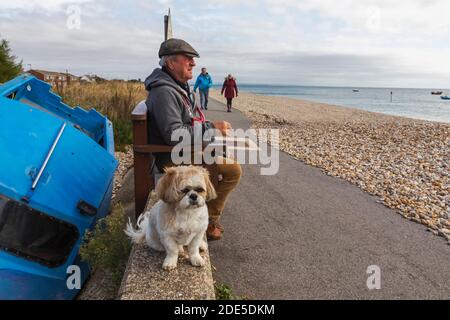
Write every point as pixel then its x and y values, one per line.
pixel 171 104
pixel 230 89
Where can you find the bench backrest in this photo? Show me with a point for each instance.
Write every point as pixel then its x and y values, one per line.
pixel 143 179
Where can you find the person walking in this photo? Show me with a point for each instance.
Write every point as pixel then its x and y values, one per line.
pixel 230 89
pixel 203 83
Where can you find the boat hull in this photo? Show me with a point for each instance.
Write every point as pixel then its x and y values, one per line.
pixel 58 170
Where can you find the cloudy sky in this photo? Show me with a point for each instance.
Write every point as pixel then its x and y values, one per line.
pixel 381 43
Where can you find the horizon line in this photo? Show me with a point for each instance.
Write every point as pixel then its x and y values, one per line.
pixel 335 86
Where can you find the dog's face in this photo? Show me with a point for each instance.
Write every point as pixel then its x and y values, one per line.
pixel 186 186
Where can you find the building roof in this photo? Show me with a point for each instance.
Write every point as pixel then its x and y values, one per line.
pixel 53 73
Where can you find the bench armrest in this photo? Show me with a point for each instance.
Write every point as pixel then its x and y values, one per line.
pixel 159 148
pixel 152 148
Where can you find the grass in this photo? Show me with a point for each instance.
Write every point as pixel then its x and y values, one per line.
pixel 224 292
pixel 107 247
pixel 115 99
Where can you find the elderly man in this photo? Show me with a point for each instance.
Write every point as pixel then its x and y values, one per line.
pixel 203 83
pixel 170 106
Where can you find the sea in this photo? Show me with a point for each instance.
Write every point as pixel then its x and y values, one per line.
pixel 411 103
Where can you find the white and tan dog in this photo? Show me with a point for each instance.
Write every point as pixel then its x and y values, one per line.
pixel 179 218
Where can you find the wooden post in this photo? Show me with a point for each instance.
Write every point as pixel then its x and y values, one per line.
pixel 143 180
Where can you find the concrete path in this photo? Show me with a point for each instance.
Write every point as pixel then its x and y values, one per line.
pixel 304 235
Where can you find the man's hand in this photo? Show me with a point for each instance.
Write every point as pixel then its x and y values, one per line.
pixel 222 126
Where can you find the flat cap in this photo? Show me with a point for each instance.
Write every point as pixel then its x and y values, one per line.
pixel 177 46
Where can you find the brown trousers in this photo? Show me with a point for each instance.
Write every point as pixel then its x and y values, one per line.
pixel 231 172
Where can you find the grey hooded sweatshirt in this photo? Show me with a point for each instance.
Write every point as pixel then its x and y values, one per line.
pixel 168 108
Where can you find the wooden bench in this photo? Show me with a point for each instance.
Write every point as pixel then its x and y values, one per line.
pixel 144 179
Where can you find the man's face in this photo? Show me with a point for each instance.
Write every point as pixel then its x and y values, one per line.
pixel 203 70
pixel 182 66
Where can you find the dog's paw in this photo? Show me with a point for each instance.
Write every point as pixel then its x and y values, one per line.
pixel 197 261
pixel 169 264
pixel 203 246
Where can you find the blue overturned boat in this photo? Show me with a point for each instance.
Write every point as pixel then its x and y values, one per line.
pixel 56 176
pixel 445 98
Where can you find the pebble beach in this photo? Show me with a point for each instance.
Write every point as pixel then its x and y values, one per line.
pixel 404 162
pixel 125 159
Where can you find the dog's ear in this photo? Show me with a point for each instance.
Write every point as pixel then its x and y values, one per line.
pixel 167 186
pixel 210 190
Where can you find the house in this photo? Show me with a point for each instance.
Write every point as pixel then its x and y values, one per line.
pixel 58 79
pixel 92 79
pixel 87 78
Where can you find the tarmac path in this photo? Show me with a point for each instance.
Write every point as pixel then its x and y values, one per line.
pixel 301 234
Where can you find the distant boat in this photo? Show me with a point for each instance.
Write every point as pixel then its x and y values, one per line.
pixel 355 90
pixel 436 93
pixel 445 98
